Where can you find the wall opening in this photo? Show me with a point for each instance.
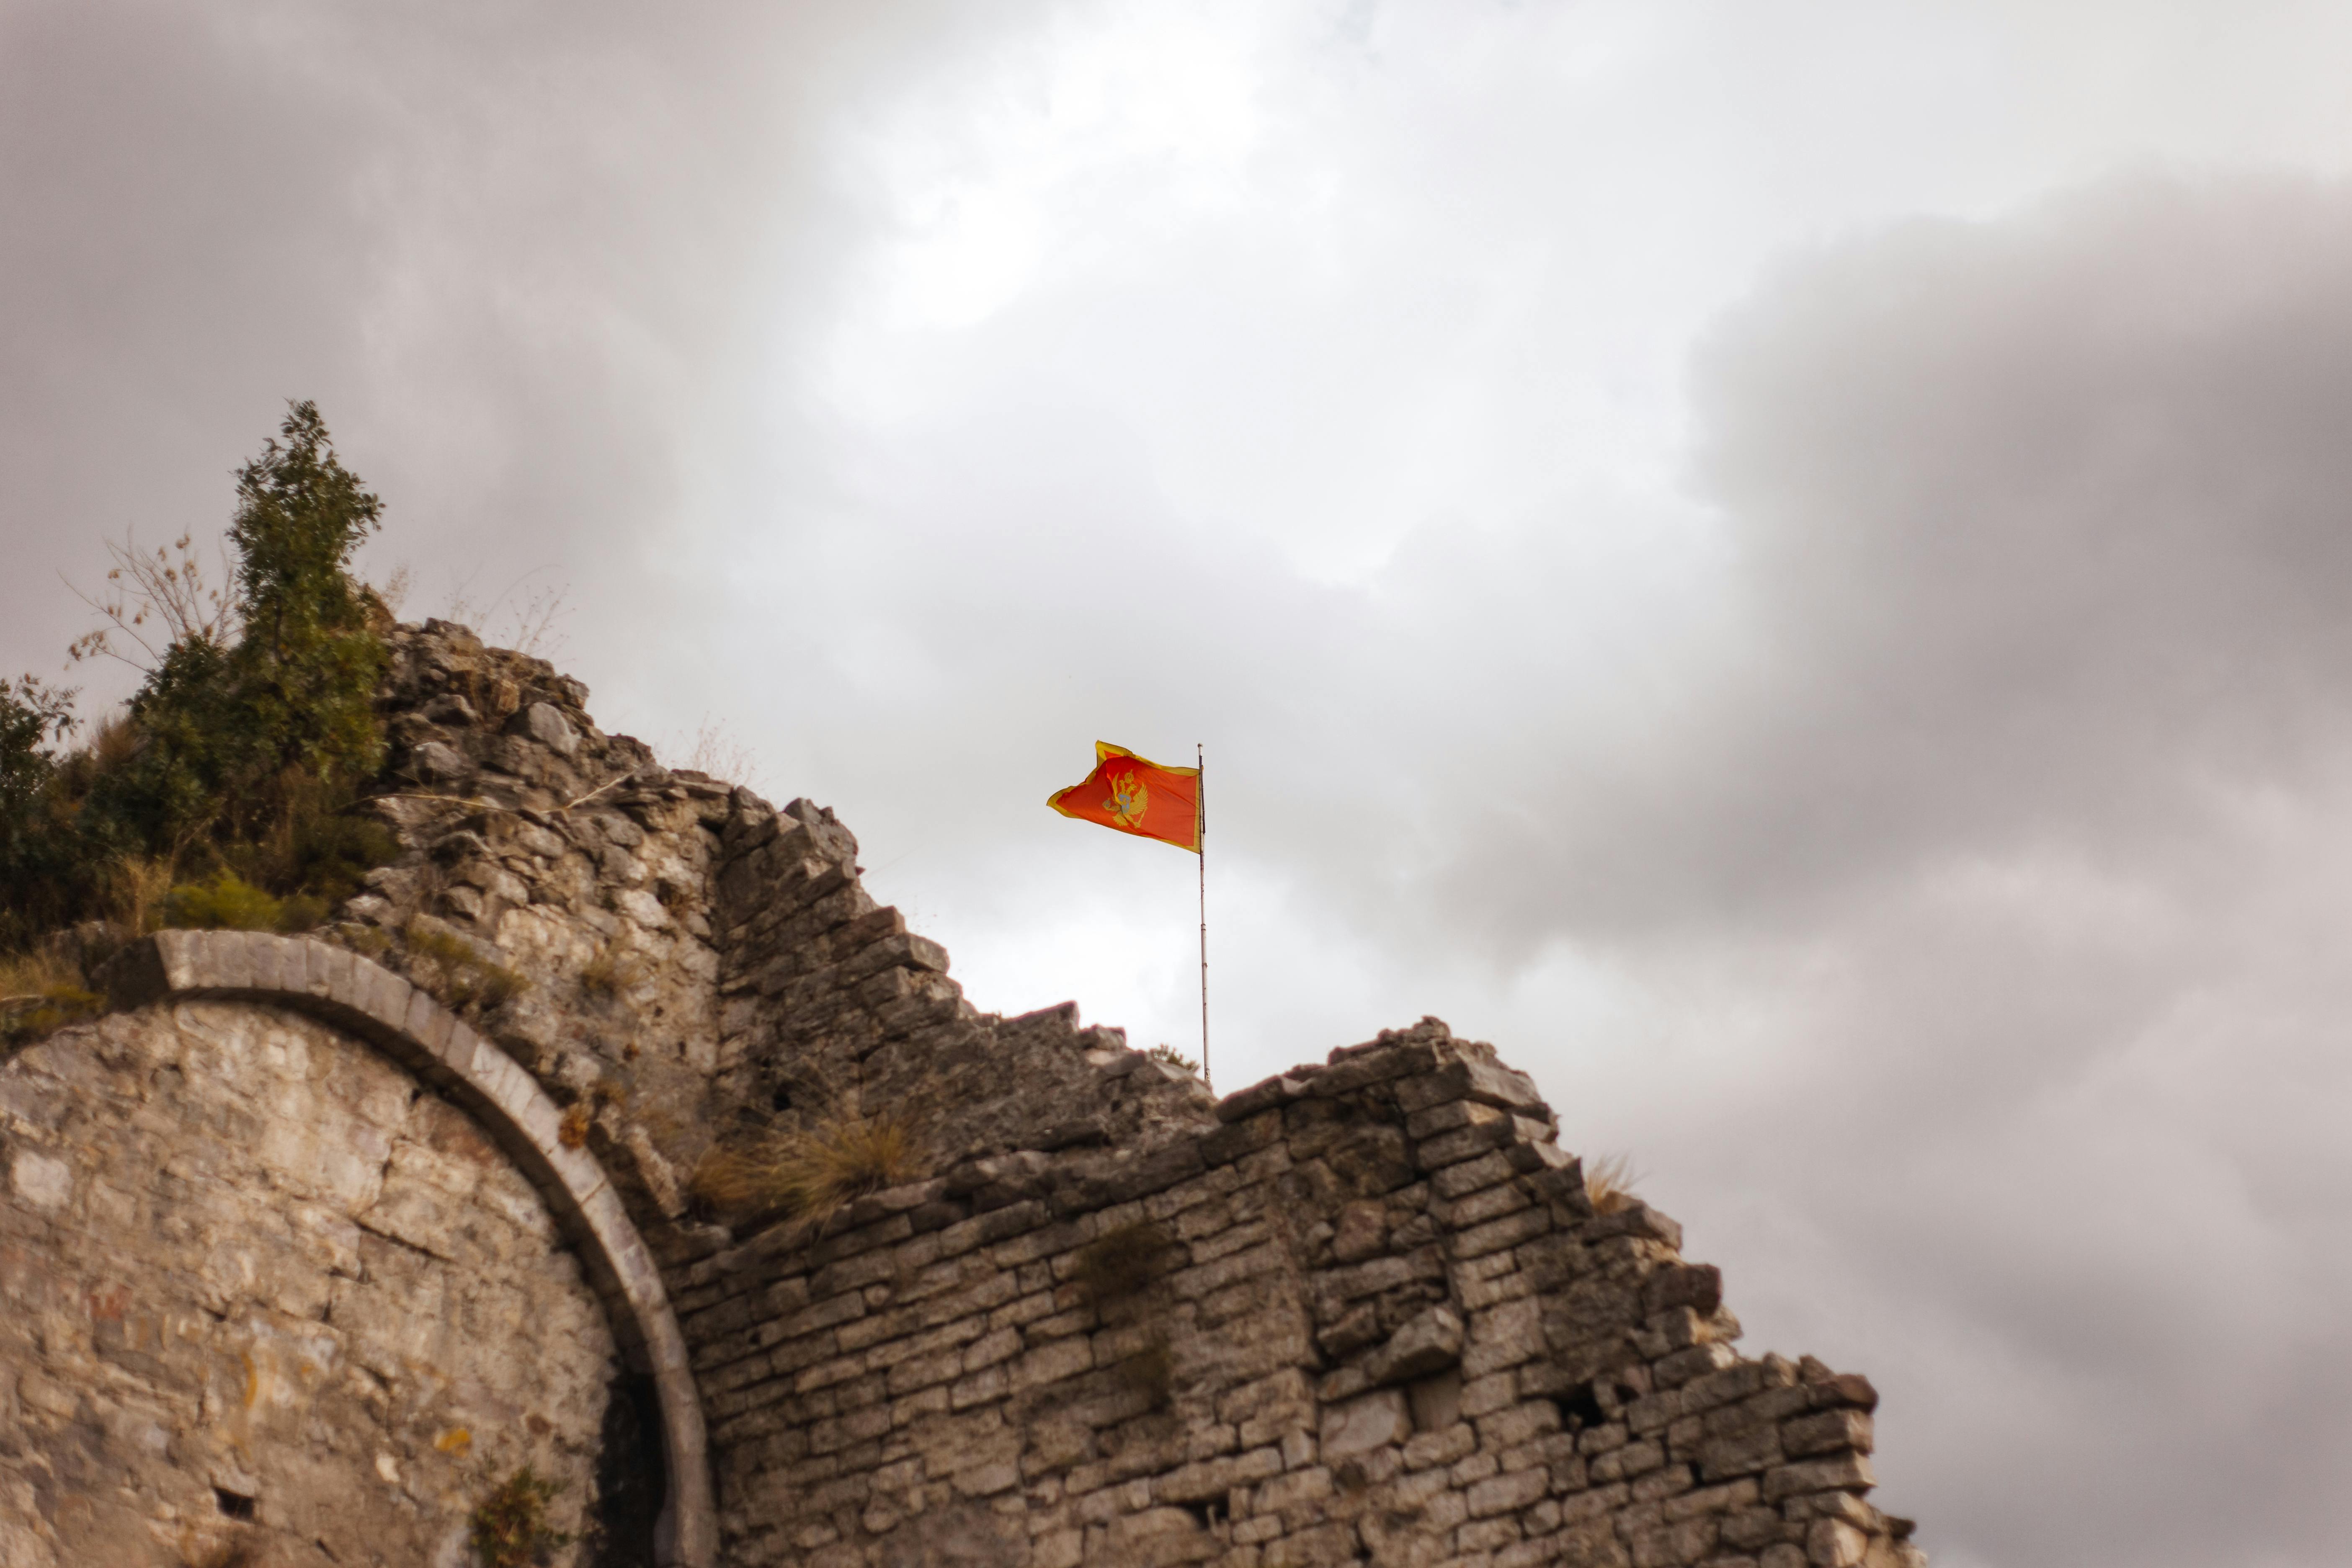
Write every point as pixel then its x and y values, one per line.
pixel 632 1483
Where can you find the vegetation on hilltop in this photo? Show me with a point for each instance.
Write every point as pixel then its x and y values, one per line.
pixel 221 794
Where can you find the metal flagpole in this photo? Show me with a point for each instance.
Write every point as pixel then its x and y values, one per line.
pixel 1201 831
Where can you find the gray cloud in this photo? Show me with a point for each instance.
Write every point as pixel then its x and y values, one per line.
pixel 1915 826
pixel 2029 819
pixel 526 258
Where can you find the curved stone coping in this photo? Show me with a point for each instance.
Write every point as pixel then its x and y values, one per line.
pixel 366 1000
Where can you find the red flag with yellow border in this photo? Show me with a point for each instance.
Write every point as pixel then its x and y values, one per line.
pixel 1128 793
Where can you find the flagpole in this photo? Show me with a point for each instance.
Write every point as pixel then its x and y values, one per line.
pixel 1201 817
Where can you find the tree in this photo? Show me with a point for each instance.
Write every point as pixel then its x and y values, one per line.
pixel 307 663
pixel 239 738
pixel 253 730
pixel 38 858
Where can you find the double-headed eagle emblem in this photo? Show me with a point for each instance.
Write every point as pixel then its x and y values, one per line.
pixel 1129 800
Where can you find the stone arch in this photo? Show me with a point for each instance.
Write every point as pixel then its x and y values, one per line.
pixel 373 1004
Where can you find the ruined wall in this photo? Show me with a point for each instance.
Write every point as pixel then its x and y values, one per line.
pixel 694 963
pixel 830 1004
pixel 564 856
pixel 250 1271
pixel 1386 1325
pixel 1363 1312
pixel 1372 1317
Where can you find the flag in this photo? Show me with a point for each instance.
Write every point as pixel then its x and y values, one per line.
pixel 1133 795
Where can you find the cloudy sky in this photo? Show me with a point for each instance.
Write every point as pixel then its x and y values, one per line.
pixel 1784 561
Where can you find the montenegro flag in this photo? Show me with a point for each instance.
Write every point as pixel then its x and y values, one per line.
pixel 1133 795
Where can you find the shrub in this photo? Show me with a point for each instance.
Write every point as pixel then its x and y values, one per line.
pixel 509 1528
pixel 226 902
pixel 47 874
pixel 33 717
pixel 809 1174
pixel 313 847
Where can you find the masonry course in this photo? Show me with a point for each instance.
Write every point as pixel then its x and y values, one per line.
pixel 1364 1312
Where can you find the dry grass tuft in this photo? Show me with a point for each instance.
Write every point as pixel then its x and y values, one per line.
pixel 456 974
pixel 809 1174
pixel 135 888
pixel 1174 1058
pixel 40 993
pixel 23 975
pixel 572 1132
pixel 609 974
pixel 1609 1183
pixel 237 1551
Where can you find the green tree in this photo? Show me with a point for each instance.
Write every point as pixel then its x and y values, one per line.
pixel 40 862
pixel 241 739
pixel 253 730
pixel 309 663
pixel 33 716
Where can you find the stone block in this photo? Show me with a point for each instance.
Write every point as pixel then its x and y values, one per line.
pixel 1427 1344
pixel 1377 1066
pixel 1490 1203
pixel 1591 1543
pixel 1470 1142
pixel 1496 1234
pixel 329 971
pixel 416 1021
pixel 226 961
pixel 1269 1095
pixel 1740 1453
pixel 1470 1175
pixel 1051 1362
pixel 1844 1472
pixel 1828 1432
pixel 1503 1336
pixel 1697 1286
pixel 1833 1543
pixel 1683 1366
pixel 1239 1137
pixel 1364 1424
pixel 1845 1390
pixel 1771 1405
pixel 1507 1493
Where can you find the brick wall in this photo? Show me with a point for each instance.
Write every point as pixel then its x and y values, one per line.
pixel 1370 1317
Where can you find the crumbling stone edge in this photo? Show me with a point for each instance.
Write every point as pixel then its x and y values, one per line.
pixel 363 999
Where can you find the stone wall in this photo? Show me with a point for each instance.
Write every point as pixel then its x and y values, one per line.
pixel 831 1006
pixel 696 962
pixel 1372 1317
pixel 1363 1312
pixel 257 1287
